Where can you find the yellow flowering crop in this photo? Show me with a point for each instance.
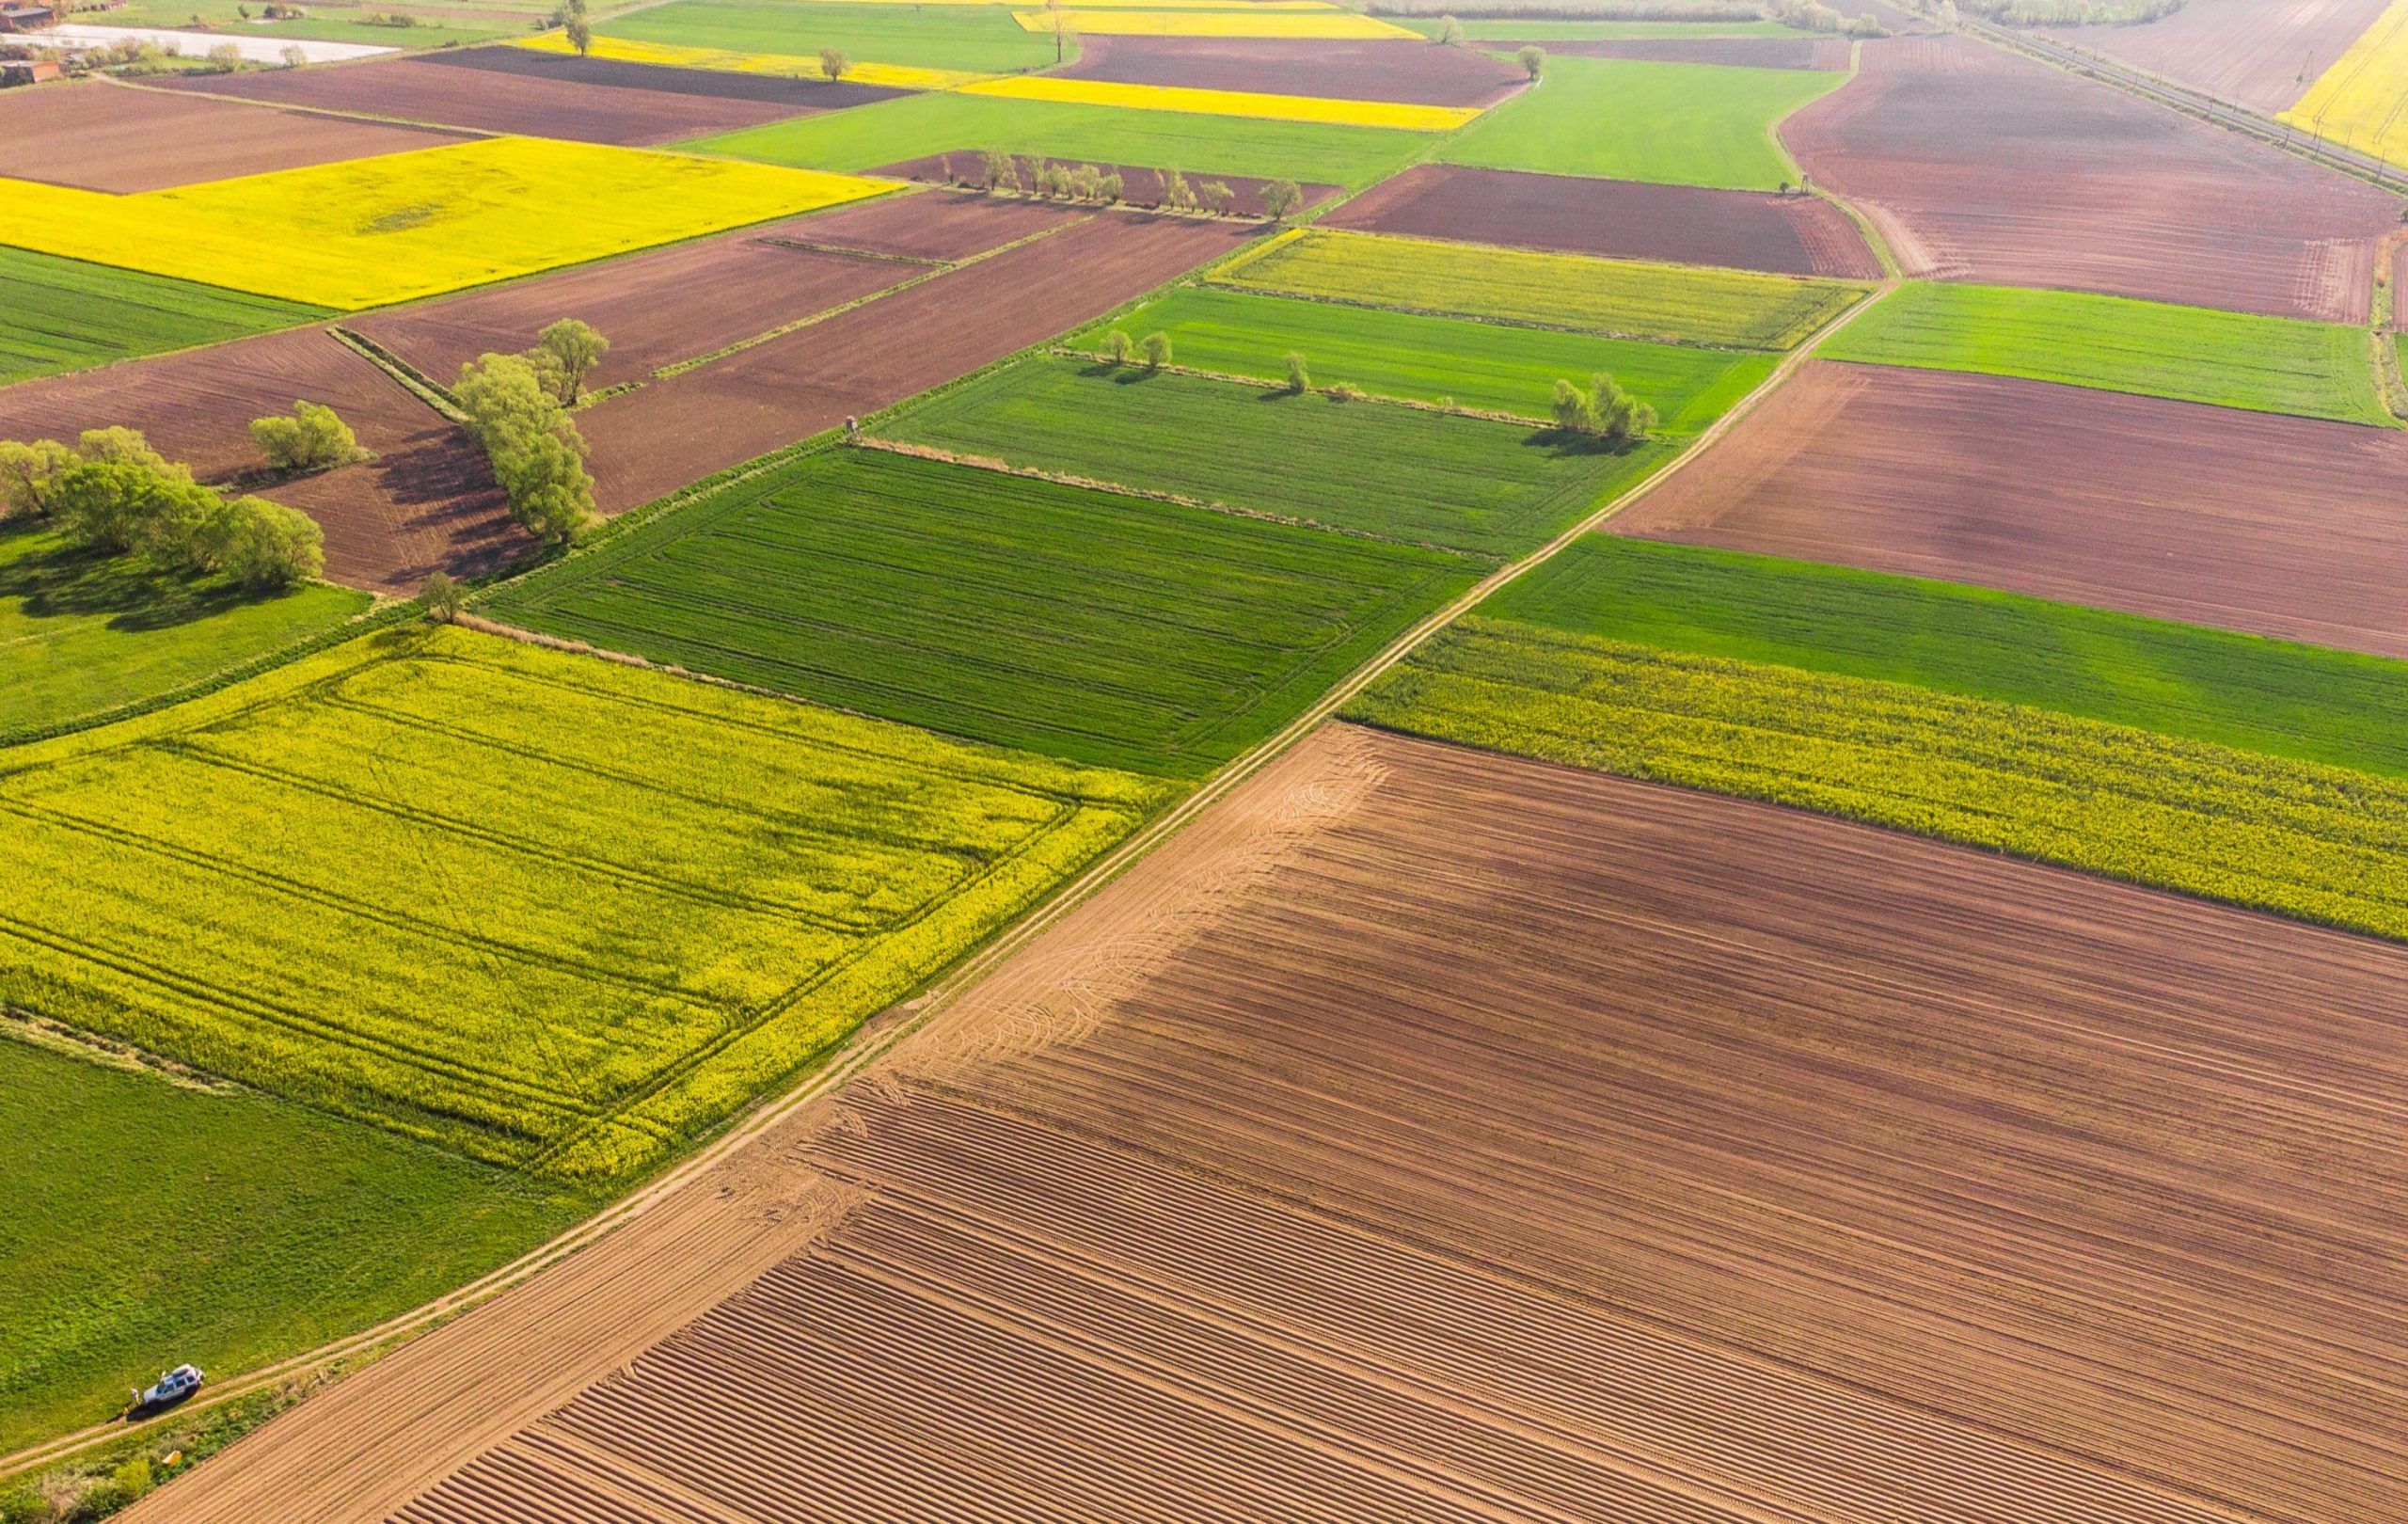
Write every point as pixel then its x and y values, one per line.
pixel 1252 22
pixel 785 65
pixel 1418 118
pixel 2356 102
pixel 369 231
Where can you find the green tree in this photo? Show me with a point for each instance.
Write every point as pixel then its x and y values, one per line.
pixel 1215 196
pixel 537 454
pixel 28 475
pixel 1533 61
pixel 1570 410
pixel 580 32
pixel 1176 197
pixel 314 438
pixel 564 355
pixel 124 447
pixel 102 503
pixel 1298 381
pixel 1117 347
pixel 1155 348
pixel 1450 33
pixel 834 63
pixel 263 545
pixel 169 525
pixel 1280 197
pixel 442 597
pixel 1003 170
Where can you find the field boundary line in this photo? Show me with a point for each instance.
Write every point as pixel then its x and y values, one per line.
pixel 407 377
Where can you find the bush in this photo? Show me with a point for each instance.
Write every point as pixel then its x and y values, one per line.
pixel 314 438
pixel 1298 381
pixel 263 545
pixel 28 474
pixel 1156 350
pixel 1117 347
pixel 225 57
pixel 537 454
pixel 1605 411
pixel 132 1479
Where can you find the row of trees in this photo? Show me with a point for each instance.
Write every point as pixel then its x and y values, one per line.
pixel 517 407
pixel 1153 349
pixel 1602 410
pixel 113 492
pixel 1000 171
pixel 1813 16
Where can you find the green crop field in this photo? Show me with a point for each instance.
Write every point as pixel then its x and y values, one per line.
pixel 2319 843
pixel 984 39
pixel 65 314
pixel 1573 31
pixel 152 1223
pixel 1103 628
pixel 440 25
pixel 545 911
pixel 2307 702
pixel 1485 366
pixel 915 126
pixel 82 633
pixel 1623 119
pixel 1626 298
pixel 2156 349
pixel 1404 473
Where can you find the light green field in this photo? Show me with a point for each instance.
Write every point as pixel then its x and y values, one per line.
pixel 1626 298
pixel 2319 843
pixel 439 24
pixel 1576 31
pixel 980 37
pixel 1622 118
pixel 2156 349
pixel 1402 473
pixel 83 634
pixel 66 315
pixel 1485 366
pixel 915 126
pixel 543 909
pixel 152 1223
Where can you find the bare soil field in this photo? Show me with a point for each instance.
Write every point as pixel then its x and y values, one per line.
pixel 800 97
pixel 1980 166
pixel 427 502
pixel 2252 521
pixel 1826 53
pixel 1620 219
pixel 1754 1166
pixel 420 88
pixel 1141 185
pixel 1367 70
pixel 2262 54
pixel 670 433
pixel 938 225
pixel 104 136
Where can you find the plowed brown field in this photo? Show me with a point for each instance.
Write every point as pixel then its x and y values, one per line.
pixel 2262 54
pixel 104 136
pixel 426 503
pixel 670 433
pixel 1141 186
pixel 424 90
pixel 937 224
pixel 2279 526
pixel 1980 166
pixel 1345 70
pixel 1828 53
pixel 1617 218
pixel 1431 1135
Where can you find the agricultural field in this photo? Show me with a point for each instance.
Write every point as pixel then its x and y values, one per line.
pixel 1799 235
pixel 1673 123
pixel 154 1221
pixel 1248 21
pixel 1628 299
pixel 67 315
pixel 670 897
pixel 971 38
pixel 402 225
pixel 2248 521
pixel 1107 629
pixel 1486 367
pixel 1379 469
pixel 751 75
pixel 2356 100
pixel 1401 116
pixel 439 24
pixel 1372 70
pixel 2262 56
pixel 2155 349
pixel 95 137
pixel 1505 33
pixel 83 634
pixel 1812 52
pixel 1321 1164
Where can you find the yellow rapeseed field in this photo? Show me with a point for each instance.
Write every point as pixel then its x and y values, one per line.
pixel 1418 118
pixel 2357 101
pixel 783 65
pixel 1252 22
pixel 370 232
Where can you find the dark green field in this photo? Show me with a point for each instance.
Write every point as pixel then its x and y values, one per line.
pixel 66 315
pixel 1103 628
pixel 1403 473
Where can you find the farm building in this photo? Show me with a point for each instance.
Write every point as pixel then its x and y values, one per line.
pixel 26 18
pixel 26 71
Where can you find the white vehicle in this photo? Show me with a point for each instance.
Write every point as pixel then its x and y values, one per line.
pixel 166 1391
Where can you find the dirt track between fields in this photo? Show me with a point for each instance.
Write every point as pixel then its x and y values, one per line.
pixel 1426 1134
pixel 101 136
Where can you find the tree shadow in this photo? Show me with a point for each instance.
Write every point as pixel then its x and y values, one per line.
pixel 62 579
pixel 1561 442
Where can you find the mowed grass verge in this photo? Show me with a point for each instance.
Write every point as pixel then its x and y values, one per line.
pixel 67 314
pixel 397 225
pixel 2116 343
pixel 1402 473
pixel 545 911
pixel 83 634
pixel 1624 298
pixel 1623 119
pixel 150 1222
pixel 915 126
pixel 1488 367
pixel 1098 627
pixel 2319 843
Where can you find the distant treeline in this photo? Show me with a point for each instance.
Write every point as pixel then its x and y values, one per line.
pixel 2069 12
pixel 1661 11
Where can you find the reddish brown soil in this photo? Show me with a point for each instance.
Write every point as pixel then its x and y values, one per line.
pixel 2280 525
pixel 422 89
pixel 2261 53
pixel 1345 70
pixel 1618 218
pixel 803 96
pixel 1431 1135
pixel 935 225
pixel 670 433
pixel 1140 185
pixel 1980 166
pixel 1826 53
pixel 427 502
pixel 108 138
